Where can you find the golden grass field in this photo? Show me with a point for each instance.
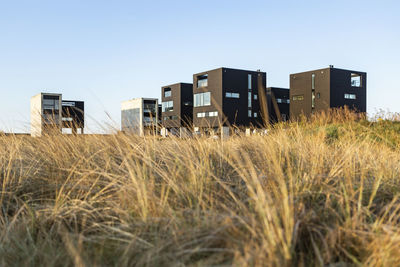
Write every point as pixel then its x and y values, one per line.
pixel 324 192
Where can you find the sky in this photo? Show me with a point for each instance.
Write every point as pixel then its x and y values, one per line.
pixel 105 52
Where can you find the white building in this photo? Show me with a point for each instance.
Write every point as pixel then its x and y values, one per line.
pixel 45 113
pixel 140 116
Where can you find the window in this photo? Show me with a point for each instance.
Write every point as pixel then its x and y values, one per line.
pixel 318 95
pixel 313 99
pixel 202 99
pixel 278 100
pixel 207 114
pixel 298 97
pixel 213 114
pixel 249 113
pixel 232 95
pixel 255 97
pixel 249 100
pixel 255 114
pixel 202 80
pixel 355 80
pixel 349 96
pixel 249 81
pixel 52 104
pixel 167 92
pixel 313 81
pixel 167 106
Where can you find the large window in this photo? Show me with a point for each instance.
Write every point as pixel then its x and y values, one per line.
pixel 202 81
pixel 349 96
pixel 355 80
pixel 232 95
pixel 202 99
pixel 249 81
pixel 167 92
pixel 167 106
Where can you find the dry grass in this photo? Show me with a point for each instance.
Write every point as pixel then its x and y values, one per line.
pixel 325 192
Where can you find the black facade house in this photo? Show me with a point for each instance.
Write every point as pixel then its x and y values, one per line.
pixel 177 108
pixel 323 89
pixel 226 97
pixel 73 115
pixel 279 104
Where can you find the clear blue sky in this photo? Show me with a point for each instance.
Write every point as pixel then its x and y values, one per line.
pixel 104 52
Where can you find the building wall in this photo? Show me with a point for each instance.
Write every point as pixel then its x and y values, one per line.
pixel 236 110
pixel 36 115
pixel 131 116
pixel 341 85
pixel 301 85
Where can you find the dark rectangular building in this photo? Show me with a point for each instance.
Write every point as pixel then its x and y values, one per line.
pixel 278 104
pixel 320 90
pixel 177 106
pixel 226 97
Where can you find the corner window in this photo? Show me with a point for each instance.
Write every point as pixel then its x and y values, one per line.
pixel 355 80
pixel 202 80
pixel 167 92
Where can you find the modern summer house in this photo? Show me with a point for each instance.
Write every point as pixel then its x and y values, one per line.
pixel 140 116
pixel 50 114
pixel 226 97
pixel 177 108
pixel 320 90
pixel 45 114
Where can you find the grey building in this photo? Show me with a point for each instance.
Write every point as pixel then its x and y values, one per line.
pixel 320 90
pixel 140 116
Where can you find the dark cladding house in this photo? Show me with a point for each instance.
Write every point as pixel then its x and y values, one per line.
pixel 278 104
pixel 320 90
pixel 177 108
pixel 226 97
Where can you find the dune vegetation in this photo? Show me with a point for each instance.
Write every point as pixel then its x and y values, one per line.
pixel 309 193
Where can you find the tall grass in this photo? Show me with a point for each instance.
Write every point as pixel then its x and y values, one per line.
pixel 308 193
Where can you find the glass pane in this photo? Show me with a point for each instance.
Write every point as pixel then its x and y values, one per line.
pixel 207 99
